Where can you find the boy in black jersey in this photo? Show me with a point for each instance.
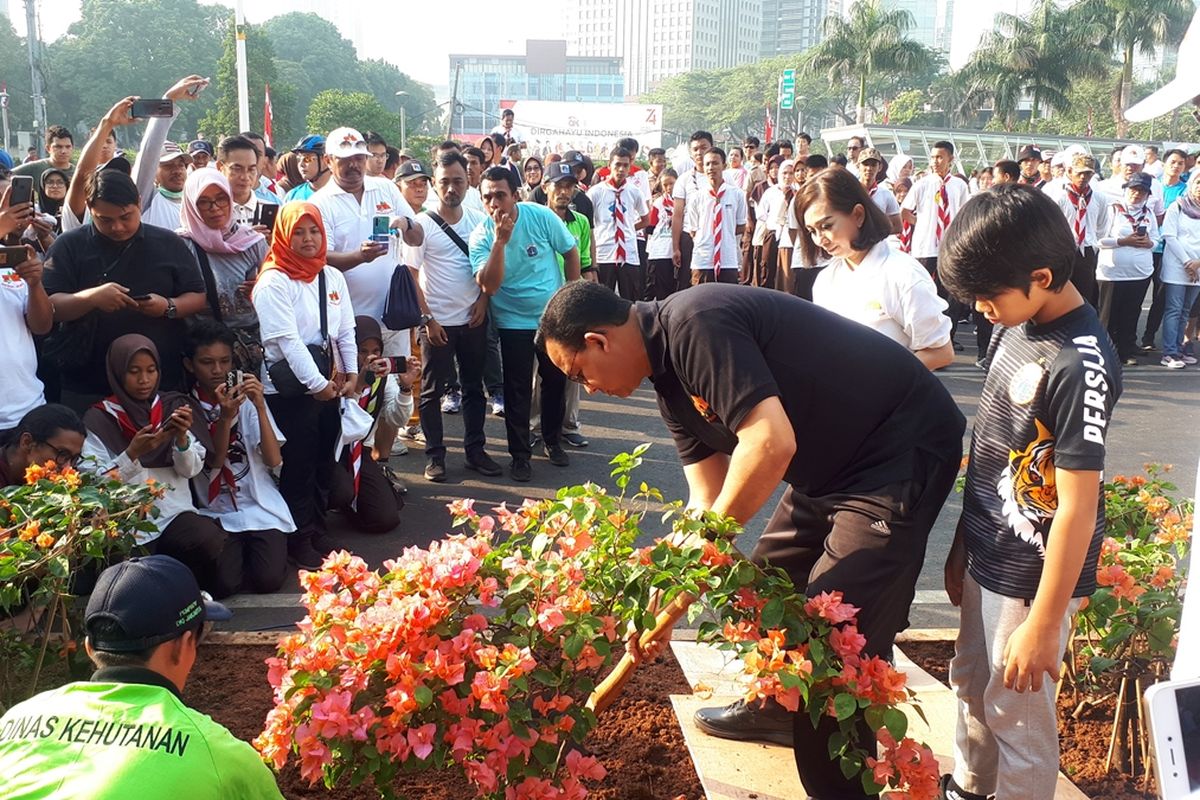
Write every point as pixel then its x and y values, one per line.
pixel 1026 546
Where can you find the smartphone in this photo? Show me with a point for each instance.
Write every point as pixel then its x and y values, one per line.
pixel 11 256
pixel 140 298
pixel 152 108
pixel 1140 230
pixel 381 229
pixel 233 378
pixel 265 214
pixel 1174 711
pixel 22 190
pixel 195 90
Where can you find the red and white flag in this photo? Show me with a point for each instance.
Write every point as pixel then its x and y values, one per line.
pixel 267 116
pixel 768 129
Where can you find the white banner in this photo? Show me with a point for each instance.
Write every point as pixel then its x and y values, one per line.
pixel 591 128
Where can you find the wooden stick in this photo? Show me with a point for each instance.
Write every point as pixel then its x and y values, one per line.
pixel 1118 721
pixel 612 686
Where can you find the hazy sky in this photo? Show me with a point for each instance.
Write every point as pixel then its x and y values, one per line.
pixel 423 55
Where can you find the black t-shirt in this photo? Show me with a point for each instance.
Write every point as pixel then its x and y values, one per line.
pixel 580 202
pixel 157 261
pixel 1047 401
pixel 861 405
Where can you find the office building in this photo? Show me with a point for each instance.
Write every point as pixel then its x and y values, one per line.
pixel 544 72
pixel 793 26
pixel 656 39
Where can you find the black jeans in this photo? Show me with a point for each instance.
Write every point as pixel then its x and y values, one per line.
pixel 378 506
pixel 1119 309
pixel 660 279
pixel 1083 274
pixel 870 546
pixel 627 280
pixel 683 277
pixel 1157 303
pixel 312 428
pixel 469 346
pixel 199 542
pixel 519 353
pixel 253 561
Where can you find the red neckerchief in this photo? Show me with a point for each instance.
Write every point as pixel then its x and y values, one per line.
pixel 718 222
pixel 618 220
pixel 1081 202
pixel 1141 217
pixel 111 405
pixel 368 399
pixel 224 475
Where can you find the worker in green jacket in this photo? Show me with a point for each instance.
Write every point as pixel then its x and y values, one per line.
pixel 127 732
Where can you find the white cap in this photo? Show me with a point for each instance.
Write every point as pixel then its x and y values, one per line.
pixel 1061 159
pixel 1183 88
pixel 1133 154
pixel 345 142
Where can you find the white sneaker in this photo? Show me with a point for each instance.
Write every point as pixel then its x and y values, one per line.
pixel 1171 362
pixel 1189 360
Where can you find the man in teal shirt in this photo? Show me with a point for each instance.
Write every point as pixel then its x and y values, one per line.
pixel 127 732
pixel 513 255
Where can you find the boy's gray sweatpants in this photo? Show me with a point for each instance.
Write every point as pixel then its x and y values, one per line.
pixel 1006 742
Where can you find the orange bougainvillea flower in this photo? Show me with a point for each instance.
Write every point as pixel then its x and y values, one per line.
pixel 45 541
pixel 35 472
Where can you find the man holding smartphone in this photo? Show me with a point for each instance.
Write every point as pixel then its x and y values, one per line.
pixel 349 204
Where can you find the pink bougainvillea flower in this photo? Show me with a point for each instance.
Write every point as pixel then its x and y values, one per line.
pixel 829 606
pixel 583 767
pixel 421 740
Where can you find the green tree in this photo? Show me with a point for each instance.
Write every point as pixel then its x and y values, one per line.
pixel 222 118
pixel 1037 56
pixel 1089 111
pixel 871 42
pixel 124 47
pixel 334 108
pixel 14 66
pixel 315 44
pixel 383 80
pixel 1143 26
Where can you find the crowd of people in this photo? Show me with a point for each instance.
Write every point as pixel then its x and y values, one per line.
pixel 249 329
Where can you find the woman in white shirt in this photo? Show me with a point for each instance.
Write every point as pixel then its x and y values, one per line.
pixel 1125 265
pixel 291 289
pixel 1180 271
pixel 141 435
pixel 866 280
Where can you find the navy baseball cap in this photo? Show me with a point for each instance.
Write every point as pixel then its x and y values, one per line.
pixel 412 169
pixel 152 599
pixel 559 171
pixel 202 146
pixel 1139 180
pixel 572 157
pixel 313 143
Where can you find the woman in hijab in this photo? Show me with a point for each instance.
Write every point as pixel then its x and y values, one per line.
pixel 229 255
pixel 138 434
pixel 292 286
pixel 533 169
pixel 55 183
pixel 899 168
pixel 289 172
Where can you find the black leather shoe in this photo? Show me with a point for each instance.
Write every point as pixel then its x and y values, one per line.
pixel 771 723
pixel 558 457
pixel 435 470
pixel 303 552
pixel 484 465
pixel 520 470
pixel 949 790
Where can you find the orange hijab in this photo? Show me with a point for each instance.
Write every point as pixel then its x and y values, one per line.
pixel 282 256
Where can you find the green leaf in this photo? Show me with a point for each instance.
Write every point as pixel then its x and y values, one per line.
pixel 844 705
pixel 573 646
pixel 896 722
pixel 772 613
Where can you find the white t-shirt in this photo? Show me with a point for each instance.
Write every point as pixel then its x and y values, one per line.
pixel 658 243
pixel 1155 169
pixel 1127 263
pixel 693 180
pixel 23 392
pixel 885 200
pixel 349 223
pixel 1182 236
pixel 922 201
pixel 700 219
pixel 162 211
pixel 257 505
pixel 474 199
pixel 514 135
pixel 1097 216
pixel 445 273
pixel 604 230
pixel 289 320
pixel 890 292
pixel 1114 187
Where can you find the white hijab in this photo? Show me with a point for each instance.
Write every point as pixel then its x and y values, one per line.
pixel 898 163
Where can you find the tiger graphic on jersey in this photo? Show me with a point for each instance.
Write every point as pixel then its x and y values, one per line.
pixel 1027 489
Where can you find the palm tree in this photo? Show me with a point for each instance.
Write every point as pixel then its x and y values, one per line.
pixel 1035 56
pixel 1141 25
pixel 871 41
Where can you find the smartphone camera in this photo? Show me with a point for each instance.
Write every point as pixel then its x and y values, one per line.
pixel 233 379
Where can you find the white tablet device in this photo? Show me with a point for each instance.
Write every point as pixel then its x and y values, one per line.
pixel 1174 711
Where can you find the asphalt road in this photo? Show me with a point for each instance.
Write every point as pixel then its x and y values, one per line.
pixel 1156 420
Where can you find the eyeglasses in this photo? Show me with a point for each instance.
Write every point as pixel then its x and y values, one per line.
pixel 204 204
pixel 574 375
pixel 854 147
pixel 63 458
pixel 382 155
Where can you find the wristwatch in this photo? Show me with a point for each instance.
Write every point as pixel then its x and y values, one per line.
pixel 424 320
pixel 171 310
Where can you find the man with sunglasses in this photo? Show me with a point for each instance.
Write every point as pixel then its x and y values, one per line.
pixel 127 731
pixel 853 148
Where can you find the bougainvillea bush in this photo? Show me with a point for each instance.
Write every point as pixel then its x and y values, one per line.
pixel 480 652
pixel 60 526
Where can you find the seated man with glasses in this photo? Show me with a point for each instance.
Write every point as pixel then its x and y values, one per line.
pixel 127 731
pixel 47 433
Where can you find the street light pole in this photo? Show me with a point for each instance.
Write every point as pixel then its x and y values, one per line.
pixel 400 96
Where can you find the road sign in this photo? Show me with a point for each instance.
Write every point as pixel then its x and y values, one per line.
pixel 787 89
